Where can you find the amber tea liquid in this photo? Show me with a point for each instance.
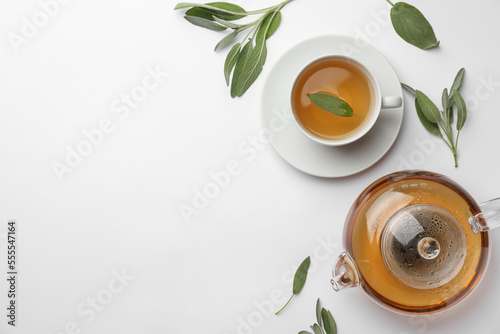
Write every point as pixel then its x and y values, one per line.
pixel 339 77
pixel 366 235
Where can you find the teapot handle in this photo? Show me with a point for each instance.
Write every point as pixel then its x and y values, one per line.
pixel 488 218
pixel 345 273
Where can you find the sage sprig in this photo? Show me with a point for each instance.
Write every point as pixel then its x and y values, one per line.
pixel 325 322
pixel 299 280
pixel 412 26
pixel 332 104
pixel 246 58
pixel 439 122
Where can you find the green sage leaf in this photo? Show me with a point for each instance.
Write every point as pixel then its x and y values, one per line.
pixel 305 332
pixel 409 89
pixel 256 60
pixel 328 322
pixel 224 10
pixel 240 65
pixel 182 5
pixel 226 40
pixel 331 104
pixel 439 123
pixel 445 99
pixel 431 127
pixel 204 23
pixel 227 24
pixel 231 59
pixel 429 109
pixel 299 280
pixel 461 109
pixel 447 103
pixel 253 66
pixel 200 12
pixel 411 25
pixel 247 65
pixel 457 83
pixel 271 24
pixel 316 329
pixel 301 275
pixel 449 113
pixel 318 312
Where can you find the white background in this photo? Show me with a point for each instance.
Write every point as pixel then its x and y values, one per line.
pixel 118 210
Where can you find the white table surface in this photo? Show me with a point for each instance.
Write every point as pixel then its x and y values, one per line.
pixel 117 212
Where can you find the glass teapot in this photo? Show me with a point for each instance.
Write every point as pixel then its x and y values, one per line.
pixel 416 242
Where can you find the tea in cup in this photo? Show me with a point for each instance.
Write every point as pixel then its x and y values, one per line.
pixel 348 80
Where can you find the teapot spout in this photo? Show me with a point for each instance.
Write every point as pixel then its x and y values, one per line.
pixel 345 273
pixel 488 218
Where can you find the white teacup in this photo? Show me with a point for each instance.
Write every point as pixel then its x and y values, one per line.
pixel 377 103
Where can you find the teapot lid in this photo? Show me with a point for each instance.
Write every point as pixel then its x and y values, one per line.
pixel 423 246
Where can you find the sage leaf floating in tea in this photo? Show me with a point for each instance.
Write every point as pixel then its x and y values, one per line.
pixel 412 26
pixel 332 104
pixel 246 58
pixel 439 122
pixel 298 280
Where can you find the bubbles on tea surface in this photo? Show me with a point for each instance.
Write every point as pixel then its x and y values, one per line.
pixel 423 246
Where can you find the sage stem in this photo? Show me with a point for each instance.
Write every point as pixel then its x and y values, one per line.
pixel 285 305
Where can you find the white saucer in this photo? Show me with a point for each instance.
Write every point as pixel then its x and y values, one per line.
pixel 305 154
